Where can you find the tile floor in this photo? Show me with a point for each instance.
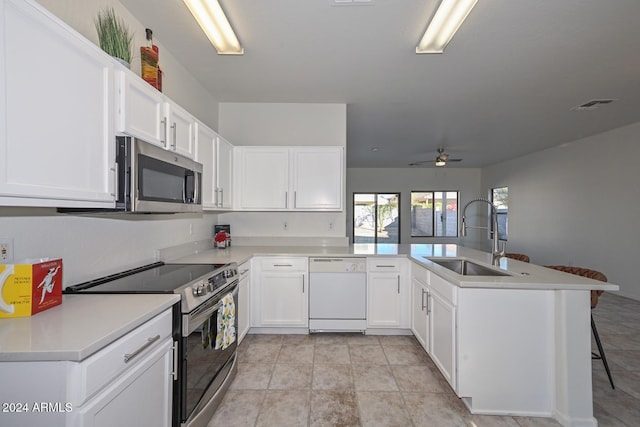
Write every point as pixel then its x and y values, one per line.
pixel 357 380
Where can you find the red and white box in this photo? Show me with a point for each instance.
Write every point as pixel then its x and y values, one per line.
pixel 30 287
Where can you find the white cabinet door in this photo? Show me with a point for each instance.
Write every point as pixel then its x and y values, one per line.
pixel 284 299
pixel 317 178
pixel 244 300
pixel 140 109
pixel 181 129
pixel 384 300
pixel 389 300
pixel 443 336
pixel 206 154
pixel 420 313
pixel 56 106
pixel 263 179
pixel 280 296
pixel 141 397
pixel 224 168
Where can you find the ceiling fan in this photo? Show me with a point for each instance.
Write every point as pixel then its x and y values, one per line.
pixel 441 160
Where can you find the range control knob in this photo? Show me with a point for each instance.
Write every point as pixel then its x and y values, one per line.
pixel 199 290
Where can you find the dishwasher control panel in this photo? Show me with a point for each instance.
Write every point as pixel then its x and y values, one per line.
pixel 337 265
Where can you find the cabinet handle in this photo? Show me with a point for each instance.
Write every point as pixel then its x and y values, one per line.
pixel 164 131
pixel 303 283
pixel 243 272
pixel 115 178
pixel 286 198
pixel 130 356
pixel 283 265
pixel 221 197
pixel 295 199
pixel 385 266
pixel 428 305
pixel 174 373
pixel 175 135
pixel 398 284
pixel 422 300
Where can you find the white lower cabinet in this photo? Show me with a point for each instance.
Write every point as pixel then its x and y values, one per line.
pixel 244 300
pixel 387 297
pixel 433 312
pixel 420 305
pixel 140 397
pixel 280 295
pixel 127 383
pixel 442 334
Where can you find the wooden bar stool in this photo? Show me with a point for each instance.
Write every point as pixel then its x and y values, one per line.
pixel 519 257
pixel 595 275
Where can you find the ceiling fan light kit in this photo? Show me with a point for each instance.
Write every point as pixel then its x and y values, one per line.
pixel 216 26
pixel 444 25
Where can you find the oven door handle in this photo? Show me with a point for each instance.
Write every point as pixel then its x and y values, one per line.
pixel 195 320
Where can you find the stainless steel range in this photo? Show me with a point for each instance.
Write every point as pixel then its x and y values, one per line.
pixel 205 367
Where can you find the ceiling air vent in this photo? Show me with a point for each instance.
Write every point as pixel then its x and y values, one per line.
pixel 593 104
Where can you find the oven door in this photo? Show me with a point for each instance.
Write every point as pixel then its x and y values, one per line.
pixel 205 368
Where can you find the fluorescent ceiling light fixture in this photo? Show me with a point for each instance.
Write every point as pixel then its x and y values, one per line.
pixel 444 24
pixel 215 25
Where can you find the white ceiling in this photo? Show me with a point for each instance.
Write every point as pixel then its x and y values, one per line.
pixel 504 87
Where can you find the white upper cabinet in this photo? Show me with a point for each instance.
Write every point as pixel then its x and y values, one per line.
pixel 145 113
pixel 56 103
pixel 224 173
pixel 263 178
pixel 290 178
pixel 140 109
pixel 206 154
pixel 216 155
pixel 180 129
pixel 317 178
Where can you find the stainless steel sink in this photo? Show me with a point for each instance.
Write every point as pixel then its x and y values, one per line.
pixel 467 268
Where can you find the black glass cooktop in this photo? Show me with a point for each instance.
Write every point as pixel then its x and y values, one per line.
pixel 152 279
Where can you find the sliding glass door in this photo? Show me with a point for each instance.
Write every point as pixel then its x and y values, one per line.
pixel 376 218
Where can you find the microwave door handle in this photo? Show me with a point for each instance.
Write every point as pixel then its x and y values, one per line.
pixel 196 188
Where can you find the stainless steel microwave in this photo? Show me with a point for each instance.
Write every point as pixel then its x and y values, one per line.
pixel 150 179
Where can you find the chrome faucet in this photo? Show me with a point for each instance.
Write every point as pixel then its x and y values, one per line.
pixel 497 253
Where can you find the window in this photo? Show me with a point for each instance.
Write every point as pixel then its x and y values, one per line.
pixel 434 214
pixel 500 199
pixel 376 218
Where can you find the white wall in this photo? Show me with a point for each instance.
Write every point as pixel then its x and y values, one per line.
pixel 93 246
pixel 577 204
pixel 284 124
pixel 404 180
pixel 178 84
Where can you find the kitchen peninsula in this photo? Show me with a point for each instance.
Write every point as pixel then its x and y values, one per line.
pixel 517 343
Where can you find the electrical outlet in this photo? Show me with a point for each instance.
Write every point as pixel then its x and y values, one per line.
pixel 6 249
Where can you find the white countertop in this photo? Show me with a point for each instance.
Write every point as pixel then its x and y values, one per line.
pixel 522 275
pixel 80 326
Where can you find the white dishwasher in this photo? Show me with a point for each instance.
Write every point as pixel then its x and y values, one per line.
pixel 337 294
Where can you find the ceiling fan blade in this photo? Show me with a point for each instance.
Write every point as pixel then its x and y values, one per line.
pixel 420 162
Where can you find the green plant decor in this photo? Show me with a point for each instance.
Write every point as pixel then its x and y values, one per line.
pixel 113 34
